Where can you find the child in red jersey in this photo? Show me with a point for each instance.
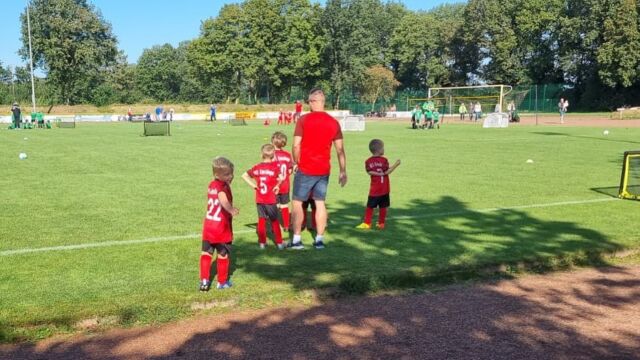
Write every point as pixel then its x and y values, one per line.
pixel 265 178
pixel 378 167
pixel 285 165
pixel 281 117
pixel 217 231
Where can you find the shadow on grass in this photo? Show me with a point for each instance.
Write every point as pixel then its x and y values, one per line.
pixel 582 315
pixel 425 242
pixel 611 191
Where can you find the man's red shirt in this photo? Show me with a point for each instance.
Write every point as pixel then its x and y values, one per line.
pixel 217 227
pixel 266 177
pixel 318 131
pixel 379 184
pixel 285 164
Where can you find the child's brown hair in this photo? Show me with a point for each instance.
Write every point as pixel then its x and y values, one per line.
pixel 376 146
pixel 221 166
pixel 268 151
pixel 279 139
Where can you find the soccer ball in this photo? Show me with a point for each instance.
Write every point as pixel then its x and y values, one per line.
pixel 605 133
pixel 22 156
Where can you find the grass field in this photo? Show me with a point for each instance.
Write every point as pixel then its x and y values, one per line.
pixel 102 225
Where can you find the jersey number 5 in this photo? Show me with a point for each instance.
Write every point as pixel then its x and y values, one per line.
pixel 213 210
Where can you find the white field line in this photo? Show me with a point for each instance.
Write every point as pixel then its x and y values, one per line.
pixel 245 231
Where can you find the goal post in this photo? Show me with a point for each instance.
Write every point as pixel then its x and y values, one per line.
pixel 490 97
pixel 630 179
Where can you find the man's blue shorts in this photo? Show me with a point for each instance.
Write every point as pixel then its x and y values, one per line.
pixel 305 186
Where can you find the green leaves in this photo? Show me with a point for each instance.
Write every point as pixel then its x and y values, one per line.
pixel 71 44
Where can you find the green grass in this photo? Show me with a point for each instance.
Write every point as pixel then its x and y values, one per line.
pixel 104 182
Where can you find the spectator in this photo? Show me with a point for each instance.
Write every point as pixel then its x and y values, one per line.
pixel 511 109
pixel 462 110
pixel 212 112
pixel 563 105
pixel 15 110
pixel 477 110
pixel 298 113
pixel 158 112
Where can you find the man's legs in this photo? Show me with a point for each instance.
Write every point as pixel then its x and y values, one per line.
pixel 321 217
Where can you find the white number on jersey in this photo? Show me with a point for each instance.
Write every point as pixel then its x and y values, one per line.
pixel 263 185
pixel 213 210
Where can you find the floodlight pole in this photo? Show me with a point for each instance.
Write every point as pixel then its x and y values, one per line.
pixel 33 86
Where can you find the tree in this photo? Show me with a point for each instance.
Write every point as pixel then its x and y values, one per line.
pixel 71 43
pixel 619 55
pixel 158 73
pixel 378 82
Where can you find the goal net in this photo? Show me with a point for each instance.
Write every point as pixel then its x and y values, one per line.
pixel 490 98
pixel 352 123
pixel 157 128
pixel 630 179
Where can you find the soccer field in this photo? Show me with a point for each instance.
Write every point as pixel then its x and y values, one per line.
pixel 102 223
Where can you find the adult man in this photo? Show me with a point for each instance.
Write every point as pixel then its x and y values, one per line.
pixel 212 112
pixel 298 113
pixel 312 139
pixel 159 113
pixel 15 110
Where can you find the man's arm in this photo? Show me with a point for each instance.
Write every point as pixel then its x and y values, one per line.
pixel 342 161
pixel 295 151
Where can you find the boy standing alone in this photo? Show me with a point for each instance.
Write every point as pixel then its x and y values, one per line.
pixel 378 167
pixel 217 231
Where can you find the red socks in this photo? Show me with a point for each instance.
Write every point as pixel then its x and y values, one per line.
pixel 368 214
pixel 382 215
pixel 223 269
pixel 262 230
pixel 285 217
pixel 205 267
pixel 277 234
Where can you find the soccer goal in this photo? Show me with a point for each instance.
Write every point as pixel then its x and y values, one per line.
pixel 157 128
pixel 630 179
pixel 65 122
pixel 352 123
pixel 491 98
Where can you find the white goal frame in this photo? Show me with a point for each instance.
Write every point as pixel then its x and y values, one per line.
pixel 504 90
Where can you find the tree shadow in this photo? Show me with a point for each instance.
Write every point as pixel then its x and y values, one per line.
pixel 423 242
pixel 582 315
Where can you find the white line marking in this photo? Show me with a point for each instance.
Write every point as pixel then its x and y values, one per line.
pixel 246 231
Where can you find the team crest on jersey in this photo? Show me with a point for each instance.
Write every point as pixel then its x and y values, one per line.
pixel 213 191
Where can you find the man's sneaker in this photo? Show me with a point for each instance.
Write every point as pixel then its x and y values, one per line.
pixel 263 246
pixel 205 285
pixel 226 285
pixel 297 246
pixel 281 246
pixel 364 226
pixel 318 245
pixel 380 226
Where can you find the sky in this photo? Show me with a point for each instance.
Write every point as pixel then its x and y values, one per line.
pixel 140 24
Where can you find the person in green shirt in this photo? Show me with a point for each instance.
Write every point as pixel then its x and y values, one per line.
pixel 462 110
pixel 436 118
pixel 416 114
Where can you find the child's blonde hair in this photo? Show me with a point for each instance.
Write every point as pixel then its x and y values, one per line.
pixel 222 166
pixel 279 139
pixel 376 146
pixel 268 151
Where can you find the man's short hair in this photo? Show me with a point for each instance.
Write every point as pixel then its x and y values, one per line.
pixel 314 91
pixel 268 151
pixel 375 146
pixel 222 166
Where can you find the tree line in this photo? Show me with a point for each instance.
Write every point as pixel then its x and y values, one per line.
pixel 272 50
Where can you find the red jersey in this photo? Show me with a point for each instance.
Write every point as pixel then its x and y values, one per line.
pixel 217 226
pixel 318 131
pixel 285 164
pixel 266 177
pixel 298 107
pixel 379 184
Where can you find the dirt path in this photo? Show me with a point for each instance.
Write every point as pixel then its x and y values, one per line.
pixel 586 314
